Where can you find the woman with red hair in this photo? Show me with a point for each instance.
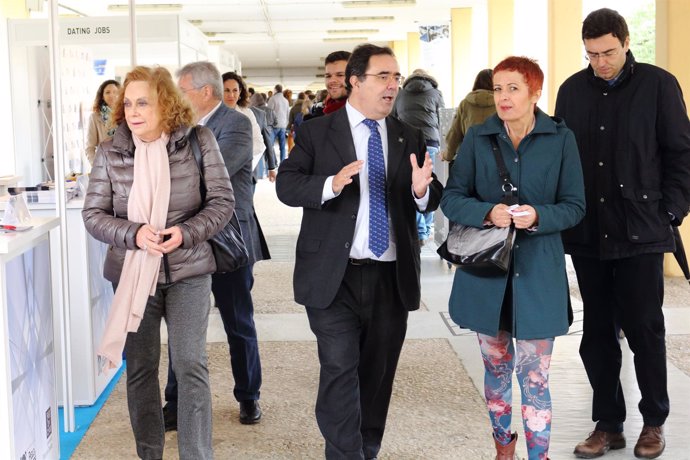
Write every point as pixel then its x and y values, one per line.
pixel 529 303
pixel 144 200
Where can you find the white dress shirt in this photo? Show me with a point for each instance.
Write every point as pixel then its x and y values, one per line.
pixel 203 120
pixel 258 145
pixel 360 136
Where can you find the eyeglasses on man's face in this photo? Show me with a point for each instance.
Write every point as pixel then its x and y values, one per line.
pixel 386 77
pixel 606 54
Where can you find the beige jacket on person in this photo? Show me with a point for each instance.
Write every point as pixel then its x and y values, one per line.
pixel 473 110
pixel 97 133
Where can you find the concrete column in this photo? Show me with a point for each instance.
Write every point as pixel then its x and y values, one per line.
pixel 9 9
pixel 565 44
pixel 13 9
pixel 400 49
pixel 461 53
pixel 501 27
pixel 413 52
pixel 672 38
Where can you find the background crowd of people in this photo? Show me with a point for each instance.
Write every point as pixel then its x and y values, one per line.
pixel 604 181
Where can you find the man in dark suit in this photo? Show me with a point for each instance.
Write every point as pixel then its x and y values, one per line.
pixel 360 175
pixel 202 85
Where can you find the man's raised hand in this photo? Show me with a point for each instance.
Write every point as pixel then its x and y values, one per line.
pixel 421 177
pixel 344 176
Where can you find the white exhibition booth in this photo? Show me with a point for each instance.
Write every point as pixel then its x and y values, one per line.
pixel 28 407
pixel 90 298
pixel 88 46
pixel 32 380
pixel 164 40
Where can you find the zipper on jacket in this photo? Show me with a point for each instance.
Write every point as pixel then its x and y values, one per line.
pixel 166 268
pixel 516 159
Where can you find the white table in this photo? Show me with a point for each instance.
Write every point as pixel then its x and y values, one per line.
pixel 90 298
pixel 28 405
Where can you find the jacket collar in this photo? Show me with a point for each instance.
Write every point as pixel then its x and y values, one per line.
pixel 341 140
pixel 217 116
pixel 341 137
pixel 625 74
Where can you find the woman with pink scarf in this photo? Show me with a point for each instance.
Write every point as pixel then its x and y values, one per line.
pixel 144 200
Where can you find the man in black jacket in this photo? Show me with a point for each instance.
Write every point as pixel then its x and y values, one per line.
pixel 360 175
pixel 419 104
pixel 633 134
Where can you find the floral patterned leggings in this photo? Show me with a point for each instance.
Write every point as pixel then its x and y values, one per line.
pixel 532 369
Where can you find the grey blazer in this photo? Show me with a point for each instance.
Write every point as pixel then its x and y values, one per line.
pixel 233 132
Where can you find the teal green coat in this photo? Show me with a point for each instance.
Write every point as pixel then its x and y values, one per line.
pixel 547 173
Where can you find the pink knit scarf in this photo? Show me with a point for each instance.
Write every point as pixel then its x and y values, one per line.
pixel 148 204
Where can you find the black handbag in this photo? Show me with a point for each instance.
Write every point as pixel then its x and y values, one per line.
pixel 228 245
pixel 483 251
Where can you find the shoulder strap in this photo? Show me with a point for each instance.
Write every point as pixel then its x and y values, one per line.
pixel 509 190
pixel 502 169
pixel 194 143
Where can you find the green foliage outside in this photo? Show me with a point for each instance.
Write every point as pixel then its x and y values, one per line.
pixel 642 25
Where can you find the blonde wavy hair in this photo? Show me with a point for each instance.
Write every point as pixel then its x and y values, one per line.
pixel 175 111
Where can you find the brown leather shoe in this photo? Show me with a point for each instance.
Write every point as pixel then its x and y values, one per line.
pixel 651 442
pixel 598 443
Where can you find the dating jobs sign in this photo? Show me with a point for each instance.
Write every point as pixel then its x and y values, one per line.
pixel 93 30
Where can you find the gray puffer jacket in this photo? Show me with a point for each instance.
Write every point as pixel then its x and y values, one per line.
pixel 418 104
pixel 105 206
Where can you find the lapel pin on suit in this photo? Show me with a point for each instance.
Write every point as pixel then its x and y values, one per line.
pixel 400 139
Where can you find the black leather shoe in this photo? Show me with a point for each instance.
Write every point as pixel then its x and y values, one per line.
pixel 170 417
pixel 250 412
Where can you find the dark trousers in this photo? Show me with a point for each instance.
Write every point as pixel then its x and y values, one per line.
pixel 359 339
pixel 627 294
pixel 232 293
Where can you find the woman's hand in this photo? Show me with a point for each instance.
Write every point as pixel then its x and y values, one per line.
pixel 529 219
pixel 499 216
pixel 174 241
pixel 149 239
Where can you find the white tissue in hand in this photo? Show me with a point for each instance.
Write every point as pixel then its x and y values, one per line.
pixel 517 213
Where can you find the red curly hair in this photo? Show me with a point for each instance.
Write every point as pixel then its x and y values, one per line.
pixel 175 111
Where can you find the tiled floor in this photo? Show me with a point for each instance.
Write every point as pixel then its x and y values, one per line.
pixel 570 389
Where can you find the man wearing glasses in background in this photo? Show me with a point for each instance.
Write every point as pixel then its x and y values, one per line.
pixel 633 134
pixel 359 174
